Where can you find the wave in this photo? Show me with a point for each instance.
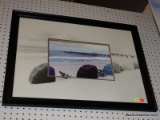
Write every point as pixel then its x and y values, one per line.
pixel 75 54
pixel 74 59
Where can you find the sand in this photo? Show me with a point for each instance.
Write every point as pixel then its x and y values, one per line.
pixel 127 85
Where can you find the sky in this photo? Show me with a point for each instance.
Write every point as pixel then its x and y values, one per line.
pixel 78 47
pixel 155 4
pixel 35 33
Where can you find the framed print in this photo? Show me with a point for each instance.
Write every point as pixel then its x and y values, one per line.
pixel 60 61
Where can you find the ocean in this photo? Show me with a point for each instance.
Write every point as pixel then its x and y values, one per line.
pixel 63 56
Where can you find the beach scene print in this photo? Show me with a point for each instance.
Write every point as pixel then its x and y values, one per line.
pixel 31 73
pixel 79 59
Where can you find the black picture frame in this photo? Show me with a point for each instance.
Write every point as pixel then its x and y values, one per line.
pixel 9 100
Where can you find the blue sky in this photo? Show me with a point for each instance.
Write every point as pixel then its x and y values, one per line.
pixel 78 47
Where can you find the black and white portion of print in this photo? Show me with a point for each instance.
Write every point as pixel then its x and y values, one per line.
pixel 35 52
